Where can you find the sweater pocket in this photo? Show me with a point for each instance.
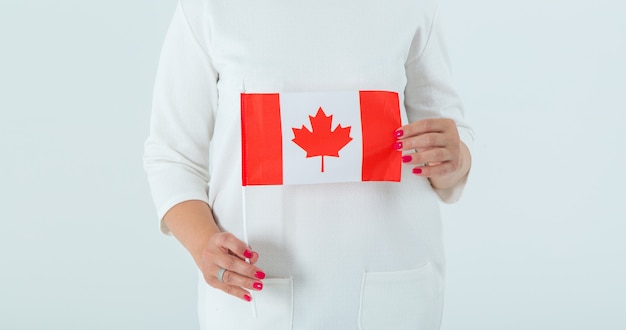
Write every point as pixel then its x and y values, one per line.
pixel 398 300
pixel 271 308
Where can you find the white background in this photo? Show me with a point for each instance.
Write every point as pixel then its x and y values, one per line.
pixel 538 242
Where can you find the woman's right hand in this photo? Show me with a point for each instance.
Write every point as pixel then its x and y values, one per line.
pixel 193 225
pixel 226 251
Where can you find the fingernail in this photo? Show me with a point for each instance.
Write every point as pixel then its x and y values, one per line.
pixel 247 298
pixel 398 133
pixel 247 254
pixel 259 275
pixel 406 159
pixel 398 146
pixel 258 285
pixel 417 171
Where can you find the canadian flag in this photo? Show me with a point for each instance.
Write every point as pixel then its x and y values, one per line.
pixel 305 138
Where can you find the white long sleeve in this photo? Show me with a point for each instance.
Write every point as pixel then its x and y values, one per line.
pixel 429 92
pixel 185 96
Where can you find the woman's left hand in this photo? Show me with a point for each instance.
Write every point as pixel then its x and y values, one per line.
pixel 437 151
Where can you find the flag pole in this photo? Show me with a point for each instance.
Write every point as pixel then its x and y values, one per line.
pixel 243 210
pixel 245 239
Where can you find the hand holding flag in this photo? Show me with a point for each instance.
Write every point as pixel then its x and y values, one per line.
pixel 440 155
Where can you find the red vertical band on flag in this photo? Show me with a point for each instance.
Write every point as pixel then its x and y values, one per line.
pixel 261 140
pixel 380 117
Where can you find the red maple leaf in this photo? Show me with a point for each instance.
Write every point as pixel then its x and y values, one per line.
pixel 321 140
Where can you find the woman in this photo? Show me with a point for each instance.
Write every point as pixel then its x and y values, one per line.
pixel 343 255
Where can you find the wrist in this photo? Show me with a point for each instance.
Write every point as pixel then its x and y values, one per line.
pixel 192 223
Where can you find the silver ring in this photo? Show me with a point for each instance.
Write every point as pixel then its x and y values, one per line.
pixel 220 275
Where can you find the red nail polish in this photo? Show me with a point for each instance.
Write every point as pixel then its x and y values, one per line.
pixel 247 298
pixel 260 275
pixel 398 133
pixel 258 285
pixel 398 146
pixel 417 171
pixel 406 159
pixel 247 254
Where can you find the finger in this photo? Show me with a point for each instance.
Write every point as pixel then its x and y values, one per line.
pixel 438 170
pixel 431 157
pixel 426 141
pixel 234 279
pixel 255 258
pixel 432 125
pixel 231 282
pixel 220 279
pixel 233 290
pixel 234 264
pixel 230 243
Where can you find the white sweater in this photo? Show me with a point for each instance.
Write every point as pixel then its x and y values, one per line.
pixel 338 256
